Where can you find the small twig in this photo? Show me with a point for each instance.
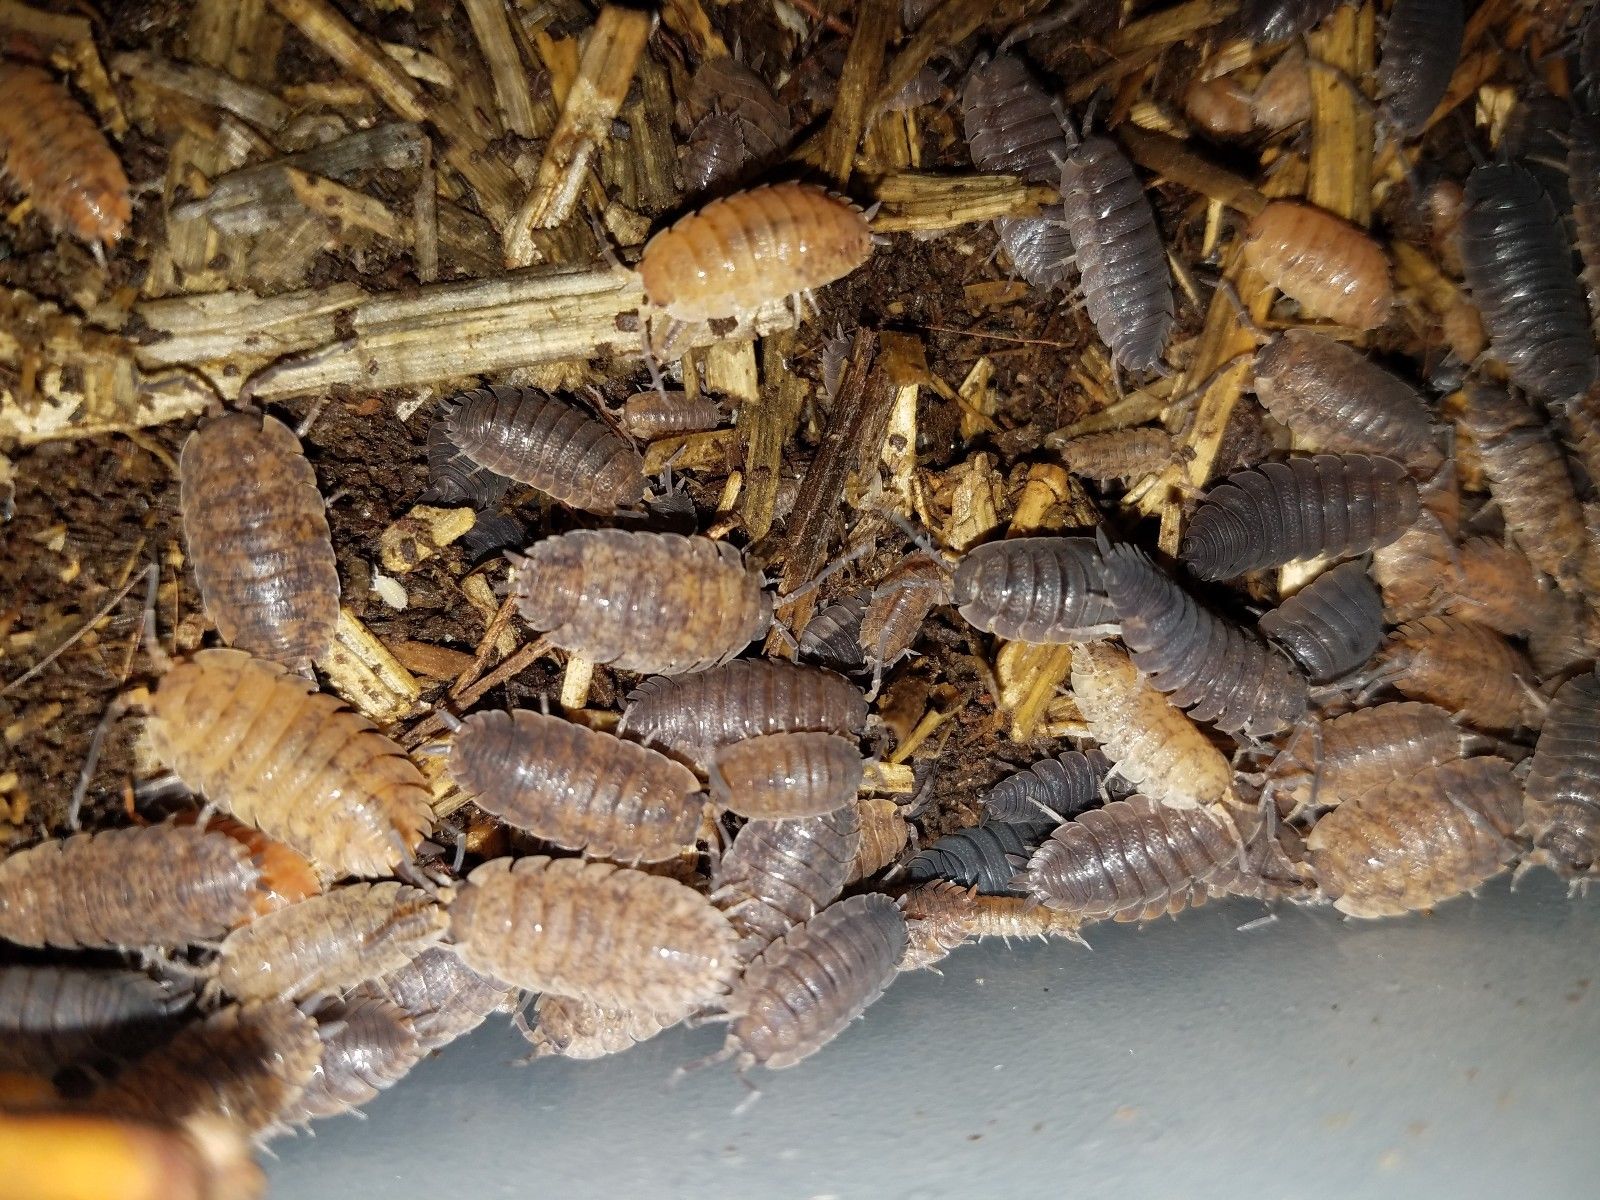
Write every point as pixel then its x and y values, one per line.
pixel 999 337
pixel 491 636
pixel 74 638
pixel 513 665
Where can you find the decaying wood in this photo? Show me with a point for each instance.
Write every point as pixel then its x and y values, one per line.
pixel 913 201
pixel 857 88
pixel 511 85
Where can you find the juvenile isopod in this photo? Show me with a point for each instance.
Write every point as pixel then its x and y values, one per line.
pixel 723 84
pixel 52 1017
pixel 1421 46
pixel 1332 625
pixel 583 1029
pixel 1415 843
pixel 885 831
pixel 897 608
pixel 258 537
pixel 1052 789
pixel 981 856
pixel 329 943
pixel 1562 801
pixel 811 983
pixel 1328 266
pixel 1122 265
pixel 751 248
pixel 536 439
pixel 1330 504
pixel 594 931
pixel 157 885
pixel 1520 275
pixel 1466 668
pixel 780 873
pixel 716 153
pixel 1041 589
pixel 940 916
pixel 443 996
pixel 1119 455
pixel 656 603
pixel 1153 744
pixel 786 775
pixel 1356 752
pixel 577 787
pixel 53 152
pixel 297 764
pixel 1222 674
pixel 1337 400
pixel 694 714
pixel 651 415
pixel 1132 860
pixel 368 1045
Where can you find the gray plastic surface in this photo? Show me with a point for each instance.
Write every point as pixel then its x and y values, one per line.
pixel 1454 1055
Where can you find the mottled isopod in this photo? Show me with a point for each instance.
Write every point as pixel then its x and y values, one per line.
pixel 536 439
pixel 656 603
pixel 269 748
pixel 55 154
pixel 1466 668
pixel 1330 504
pixel 982 856
pixel 1037 589
pixel 1415 843
pixel 723 84
pixel 651 415
pixel 1119 455
pixel 811 983
pixel 1328 266
pixel 594 931
pixel 898 606
pixel 577 787
pixel 1519 272
pixel 1351 754
pixel 1053 789
pixel 885 830
pixel 1562 801
pixel 1224 675
pixel 582 1029
pixel 51 1017
pixel 368 1045
pixel 1499 588
pixel 941 916
pixel 258 538
pixel 443 996
pixel 1421 46
pixel 786 775
pixel 1332 625
pixel 716 153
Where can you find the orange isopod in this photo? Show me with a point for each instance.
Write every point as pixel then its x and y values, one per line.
pixel 1331 268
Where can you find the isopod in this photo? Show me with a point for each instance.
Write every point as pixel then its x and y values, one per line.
pixel 247 1063
pixel 1040 248
pixel 1417 842
pixel 583 1029
pixel 897 608
pixel 1337 400
pixel 982 856
pixel 297 764
pixel 1421 46
pixel 832 638
pixel 940 916
pixel 748 249
pixel 780 873
pixel 1132 860
pixel 1498 588
pixel 1222 674
pixel 694 714
pixel 1562 801
pixel 1266 516
pixel 716 153
pixel 594 931
pixel 1419 569
pixel 55 154
pixel 885 831
pixel 1119 455
pixel 1583 177
pixel 1268 21
pixel 536 439
pixel 286 876
pixel 723 84
pixel 1220 106
pixel 811 983
pixel 52 1017
pixel 454 478
pixel 1329 267
pixel 258 537
pixel 577 787
pixel 656 603
pixel 1464 667
pixel 1052 789
pixel 1519 273
pixel 786 775
pixel 1153 744
pixel 1122 265
pixel 443 996
pixel 159 885
pixel 1528 478
pixel 1359 751
pixel 368 1045
pixel 1012 124
pixel 651 415
pixel 1332 625
pixel 1036 589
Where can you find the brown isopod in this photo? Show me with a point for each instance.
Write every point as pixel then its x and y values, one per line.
pixel 1413 844
pixel 536 439
pixel 1562 801
pixel 1153 744
pixel 159 885
pixel 329 943
pixel 576 787
pixel 297 764
pixel 656 603
pixel 55 154
pixel 1529 480
pixel 1283 97
pixel 777 874
pixel 942 915
pixel 443 996
pixel 1351 754
pixel 786 775
pixel 812 982
pixel 1421 568
pixel 897 608
pixel 286 876
pixel 595 931
pixel 1498 588
pixel 257 534
pixel 248 1063
pixel 1328 266
pixel 693 714
pixel 54 1016
pixel 1220 106
pixel 1464 667
pixel 752 248
pixel 885 833
pixel 368 1045
pixel 1119 455
pixel 651 415
pixel 582 1029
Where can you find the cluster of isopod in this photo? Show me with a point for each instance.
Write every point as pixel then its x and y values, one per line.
pixel 1395 702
